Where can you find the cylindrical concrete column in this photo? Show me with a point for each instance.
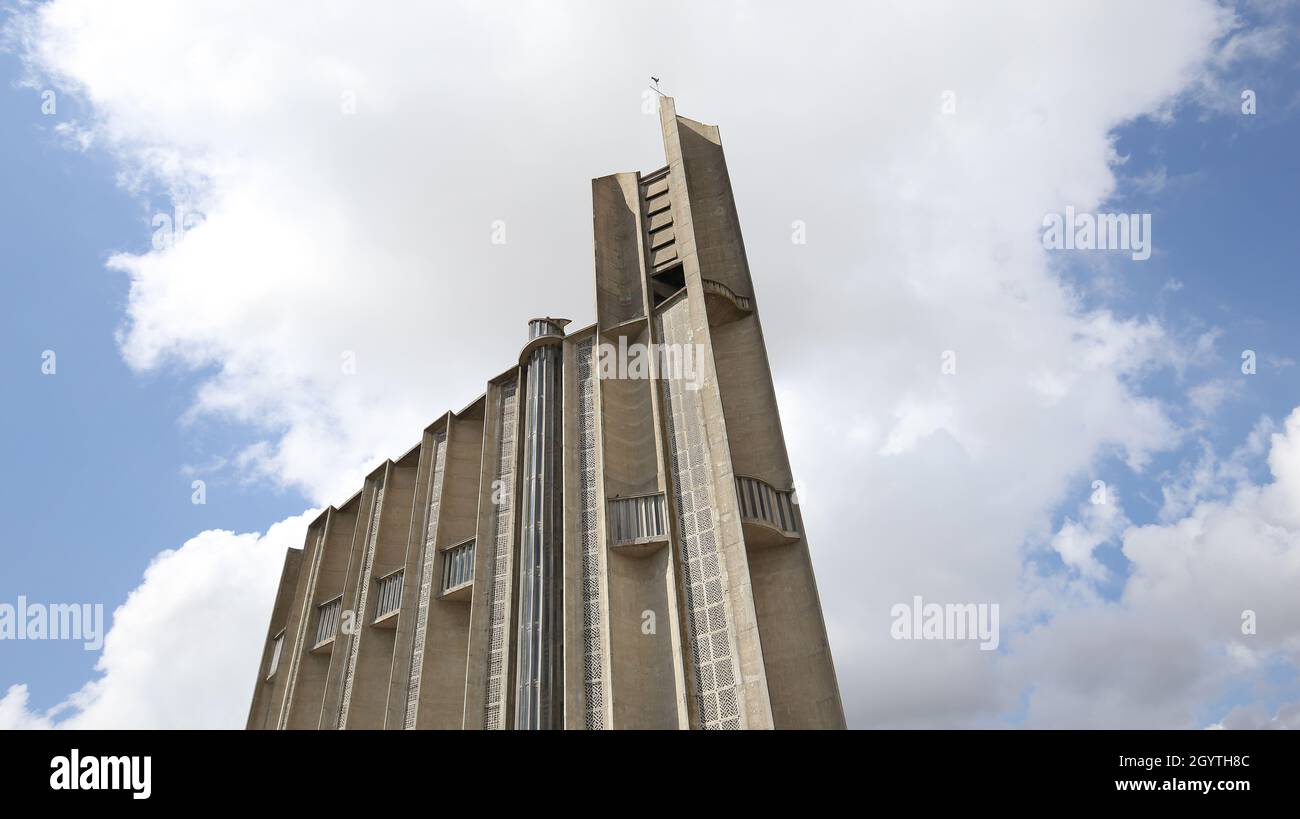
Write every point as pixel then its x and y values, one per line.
pixel 539 676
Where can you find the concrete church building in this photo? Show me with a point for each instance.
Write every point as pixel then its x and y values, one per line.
pixel 607 538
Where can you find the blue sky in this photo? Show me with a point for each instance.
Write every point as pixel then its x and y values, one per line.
pixel 101 456
pixel 1225 239
pixel 98 456
pixel 1225 263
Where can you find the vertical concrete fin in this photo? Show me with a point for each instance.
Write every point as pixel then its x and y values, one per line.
pixel 426 578
pixel 588 693
pixel 488 667
pixel 399 679
pixel 780 626
pixel 694 157
pixel 271 674
pixel 364 578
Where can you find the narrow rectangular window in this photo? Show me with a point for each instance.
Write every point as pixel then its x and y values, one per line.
pixel 327 619
pixel 277 644
pixel 390 594
pixel 457 566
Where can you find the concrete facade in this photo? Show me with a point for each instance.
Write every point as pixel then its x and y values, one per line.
pixel 607 538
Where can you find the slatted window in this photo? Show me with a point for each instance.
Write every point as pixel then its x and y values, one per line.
pixel 759 501
pixel 638 518
pixel 458 566
pixel 327 619
pixel 389 591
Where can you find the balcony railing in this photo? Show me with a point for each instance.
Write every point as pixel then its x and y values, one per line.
pixel 458 566
pixel 761 502
pixel 327 619
pixel 716 288
pixel 389 591
pixel 637 519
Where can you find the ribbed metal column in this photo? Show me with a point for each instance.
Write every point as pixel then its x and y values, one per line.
pixel 539 696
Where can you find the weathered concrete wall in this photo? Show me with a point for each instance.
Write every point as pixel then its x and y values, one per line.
pixel 313 668
pixel 496 525
pixel 335 678
pixel 369 701
pixel 630 452
pixel 269 692
pixel 645 688
pixel 412 570
pixel 442 690
pixel 616 209
pixel 692 154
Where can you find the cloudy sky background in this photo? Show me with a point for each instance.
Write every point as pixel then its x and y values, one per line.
pixel 325 232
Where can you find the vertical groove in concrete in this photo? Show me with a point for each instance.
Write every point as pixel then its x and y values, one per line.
pixel 300 636
pixel 443 669
pixel 591 544
pixel 496 702
pixel 343 579
pixel 270 685
pixel 363 595
pixel 426 579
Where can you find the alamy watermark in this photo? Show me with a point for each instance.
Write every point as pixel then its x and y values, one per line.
pixel 75 772
pixel 53 621
pixel 1101 231
pixel 949 621
pixel 677 362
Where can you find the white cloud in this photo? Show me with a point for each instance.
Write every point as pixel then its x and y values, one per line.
pixel 1210 476
pixel 184 647
pixel 1208 396
pixel 14 713
pixel 1254 717
pixel 1098 523
pixel 1175 638
pixel 327 233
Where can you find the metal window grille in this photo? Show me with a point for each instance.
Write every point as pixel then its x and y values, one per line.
pixel 759 501
pixel 327 619
pixel 389 594
pixel 637 518
pixel 458 566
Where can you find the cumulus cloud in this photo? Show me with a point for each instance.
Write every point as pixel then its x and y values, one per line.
pixel 349 171
pixel 1210 476
pixel 1100 520
pixel 350 164
pixel 1210 600
pixel 184 647
pixel 14 712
